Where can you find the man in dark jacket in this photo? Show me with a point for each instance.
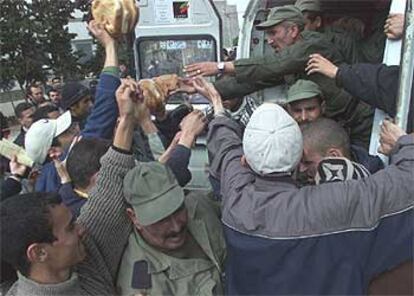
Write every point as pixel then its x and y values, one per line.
pixel 350 39
pixel 326 239
pixel 375 84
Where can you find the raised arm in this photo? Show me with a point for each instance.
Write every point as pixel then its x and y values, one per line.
pixel 375 84
pixel 104 214
pixel 101 122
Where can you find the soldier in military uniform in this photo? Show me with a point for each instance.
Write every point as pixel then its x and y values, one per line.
pixel 305 101
pixel 177 245
pixel 347 33
pixel 293 45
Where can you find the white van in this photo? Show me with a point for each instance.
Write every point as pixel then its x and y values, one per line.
pixel 171 34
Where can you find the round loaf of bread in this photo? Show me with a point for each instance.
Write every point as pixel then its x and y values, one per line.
pixel 117 16
pixel 154 97
pixel 156 91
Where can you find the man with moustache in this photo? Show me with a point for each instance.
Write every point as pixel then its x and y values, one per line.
pixel 177 245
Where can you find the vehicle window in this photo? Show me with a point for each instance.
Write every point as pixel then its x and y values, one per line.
pixel 169 55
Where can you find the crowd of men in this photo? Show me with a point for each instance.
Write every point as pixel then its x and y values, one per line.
pixel 298 206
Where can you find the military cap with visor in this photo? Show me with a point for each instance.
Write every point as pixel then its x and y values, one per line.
pixel 303 89
pixel 281 14
pixel 308 5
pixel 152 190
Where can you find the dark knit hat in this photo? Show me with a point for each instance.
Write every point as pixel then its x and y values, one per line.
pixel 72 93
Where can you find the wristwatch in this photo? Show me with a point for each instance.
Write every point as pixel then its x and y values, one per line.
pixel 220 67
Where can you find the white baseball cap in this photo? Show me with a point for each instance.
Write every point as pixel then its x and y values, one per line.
pixel 40 135
pixel 272 141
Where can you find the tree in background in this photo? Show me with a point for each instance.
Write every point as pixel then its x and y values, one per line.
pixel 35 40
pixel 52 19
pixel 21 52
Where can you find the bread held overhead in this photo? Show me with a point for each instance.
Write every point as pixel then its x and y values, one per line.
pixel 118 17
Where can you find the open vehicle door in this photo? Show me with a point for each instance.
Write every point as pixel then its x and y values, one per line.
pixel 171 34
pixel 398 52
pixel 252 43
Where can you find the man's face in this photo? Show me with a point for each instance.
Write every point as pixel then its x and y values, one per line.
pixel 68 249
pixel 37 95
pixel 312 24
pixel 82 108
pixel 168 234
pixel 26 118
pixel 122 68
pixel 306 110
pixel 55 97
pixel 309 163
pixel 280 37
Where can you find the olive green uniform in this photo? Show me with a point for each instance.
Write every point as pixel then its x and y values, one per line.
pixel 287 66
pixel 178 273
pixel 356 49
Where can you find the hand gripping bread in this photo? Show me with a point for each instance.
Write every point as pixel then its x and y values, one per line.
pixel 117 16
pixel 156 91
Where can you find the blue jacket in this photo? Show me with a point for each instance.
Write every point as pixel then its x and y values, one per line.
pixel 100 124
pixel 71 199
pixel 327 239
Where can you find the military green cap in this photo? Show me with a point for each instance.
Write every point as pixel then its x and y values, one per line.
pixel 280 14
pixel 303 89
pixel 152 190
pixel 308 5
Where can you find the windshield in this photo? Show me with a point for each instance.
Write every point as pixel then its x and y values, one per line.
pixel 168 55
pixel 158 56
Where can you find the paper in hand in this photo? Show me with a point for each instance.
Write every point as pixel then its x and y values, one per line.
pixel 8 149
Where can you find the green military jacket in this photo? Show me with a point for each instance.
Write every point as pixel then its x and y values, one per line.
pixel 175 276
pixel 287 66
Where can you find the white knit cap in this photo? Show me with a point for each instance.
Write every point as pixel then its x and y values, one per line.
pixel 272 141
pixel 40 135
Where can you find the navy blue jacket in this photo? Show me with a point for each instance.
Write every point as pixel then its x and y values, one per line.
pixel 327 239
pixel 100 124
pixel 375 84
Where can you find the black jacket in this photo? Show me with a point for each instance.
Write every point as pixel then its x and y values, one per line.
pixel 375 84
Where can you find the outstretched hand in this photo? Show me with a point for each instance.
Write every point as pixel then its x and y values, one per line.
pixel 62 170
pixel 390 133
pixel 208 90
pixel 394 26
pixel 192 126
pixel 128 95
pixel 319 64
pixel 203 69
pixel 184 85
